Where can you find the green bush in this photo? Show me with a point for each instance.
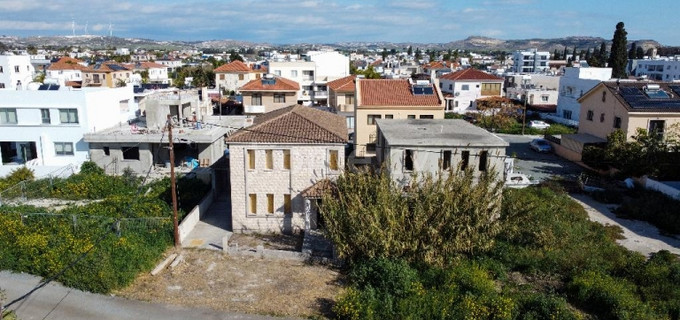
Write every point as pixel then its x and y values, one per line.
pixel 89 167
pixel 536 306
pixel 653 207
pixel 393 276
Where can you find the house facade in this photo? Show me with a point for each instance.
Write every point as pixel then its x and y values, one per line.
pixel 16 71
pixel 157 73
pixel 268 94
pixel 45 128
pixel 283 154
pixel 67 71
pixel 235 74
pixel 574 84
pixel 437 146
pixel 106 74
pixel 462 89
pixel 390 99
pixel 530 61
pixel 660 69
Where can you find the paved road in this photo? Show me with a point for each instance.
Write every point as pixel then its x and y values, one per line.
pixel 539 166
pixel 639 236
pixel 55 301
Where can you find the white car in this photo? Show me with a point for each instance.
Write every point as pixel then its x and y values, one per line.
pixel 538 124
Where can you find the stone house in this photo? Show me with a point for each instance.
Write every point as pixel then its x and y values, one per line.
pixel 283 154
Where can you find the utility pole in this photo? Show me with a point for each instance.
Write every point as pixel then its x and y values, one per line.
pixel 173 187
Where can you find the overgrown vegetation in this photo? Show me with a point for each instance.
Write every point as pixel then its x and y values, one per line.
pixel 121 234
pixel 653 207
pixel 545 261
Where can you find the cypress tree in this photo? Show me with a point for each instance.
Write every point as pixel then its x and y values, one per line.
pixel 556 55
pixel 633 51
pixel 618 58
pixel 602 56
pixel 564 55
pixel 573 54
pixel 639 53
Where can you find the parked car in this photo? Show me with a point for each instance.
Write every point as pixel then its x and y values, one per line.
pixel 540 145
pixel 538 124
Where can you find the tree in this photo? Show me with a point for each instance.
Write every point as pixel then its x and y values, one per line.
pixel 618 57
pixel 368 73
pixel 384 54
pixel 556 55
pixel 409 51
pixel 564 54
pixel 633 51
pixel 573 54
pixel 418 54
pixel 639 53
pixel 233 56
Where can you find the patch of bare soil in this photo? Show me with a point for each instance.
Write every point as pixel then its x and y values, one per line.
pixel 212 279
pixel 274 241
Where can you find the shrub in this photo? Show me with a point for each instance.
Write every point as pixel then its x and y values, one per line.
pixel 654 207
pixel 89 167
pixel 393 276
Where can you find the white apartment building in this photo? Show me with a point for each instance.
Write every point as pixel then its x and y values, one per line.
pixel 530 61
pixel 16 71
pixel 44 129
pixel 66 70
pixel 573 84
pixel 660 68
pixel 302 72
pixel 462 89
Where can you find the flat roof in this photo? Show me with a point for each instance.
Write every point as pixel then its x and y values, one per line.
pixel 436 133
pixel 138 132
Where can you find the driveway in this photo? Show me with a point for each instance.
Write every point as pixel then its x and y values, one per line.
pixel 538 166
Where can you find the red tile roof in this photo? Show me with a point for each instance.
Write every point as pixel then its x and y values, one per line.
pixel 67 63
pixel 144 65
pixel 345 84
pixel 280 84
pixel 234 66
pixel 470 74
pixel 294 124
pixel 393 92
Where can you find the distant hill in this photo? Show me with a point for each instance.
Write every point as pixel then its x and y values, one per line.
pixel 477 43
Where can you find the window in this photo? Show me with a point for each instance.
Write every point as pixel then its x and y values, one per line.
pixel 604 96
pixel 483 159
pixel 293 73
pixel 446 160
pixel 277 72
pixel 350 122
pixel 411 116
pixel 371 118
pixel 251 159
pixel 63 148
pixel 130 153
pixel 256 99
pixel 68 115
pixel 544 98
pixel 491 89
pixel 601 117
pixel 589 116
pixel 270 203
pixel 222 76
pixel 252 203
pixel 408 160
pixel 333 160
pixel 349 99
pixel 1 70
pixel 617 122
pixel 269 160
pixel 286 159
pixel 370 147
pixel 287 208
pixel 16 68
pixel 45 114
pixel 107 151
pixel 566 114
pixel 8 116
pixel 465 87
pixel 426 116
pixel 656 127
pixel 2 85
pixel 279 98
pixel 465 160
pixel 389 116
pixel 241 76
pixel 450 86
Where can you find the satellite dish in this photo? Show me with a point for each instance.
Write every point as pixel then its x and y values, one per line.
pixel 456 94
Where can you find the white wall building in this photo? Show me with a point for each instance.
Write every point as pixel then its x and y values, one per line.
pixel 661 68
pixel 573 84
pixel 462 89
pixel 15 71
pixel 44 128
pixel 302 72
pixel 330 65
pixel 530 61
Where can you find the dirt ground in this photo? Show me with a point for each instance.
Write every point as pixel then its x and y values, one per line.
pixel 213 279
pixel 269 241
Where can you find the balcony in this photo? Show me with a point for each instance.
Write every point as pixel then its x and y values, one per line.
pixel 320 94
pixel 253 109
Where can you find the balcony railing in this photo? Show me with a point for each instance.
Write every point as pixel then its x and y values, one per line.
pixel 254 109
pixel 320 94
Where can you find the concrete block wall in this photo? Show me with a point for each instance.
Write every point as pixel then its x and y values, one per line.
pixel 309 163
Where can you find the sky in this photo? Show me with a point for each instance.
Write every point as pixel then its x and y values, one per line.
pixel 311 21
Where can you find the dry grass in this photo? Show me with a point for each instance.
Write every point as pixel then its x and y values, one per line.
pixel 274 241
pixel 212 279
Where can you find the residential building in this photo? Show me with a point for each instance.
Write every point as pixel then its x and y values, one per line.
pixel 275 162
pixel 574 84
pixel 409 146
pixel 330 65
pixel 142 143
pixel 661 68
pixel 171 63
pixel 16 71
pixel 303 73
pixel 44 129
pixel 106 74
pixel 66 71
pixel 624 105
pixel 341 96
pixel 530 61
pixel 462 89
pixel 268 94
pixel 157 73
pixel 390 99
pixel 539 91
pixel 235 74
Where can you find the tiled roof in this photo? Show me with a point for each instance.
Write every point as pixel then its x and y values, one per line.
pixel 234 66
pixel 470 74
pixel 74 84
pixel 67 63
pixel 437 65
pixel 294 124
pixel 393 92
pixel 108 66
pixel 318 189
pixel 345 84
pixel 144 65
pixel 280 84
